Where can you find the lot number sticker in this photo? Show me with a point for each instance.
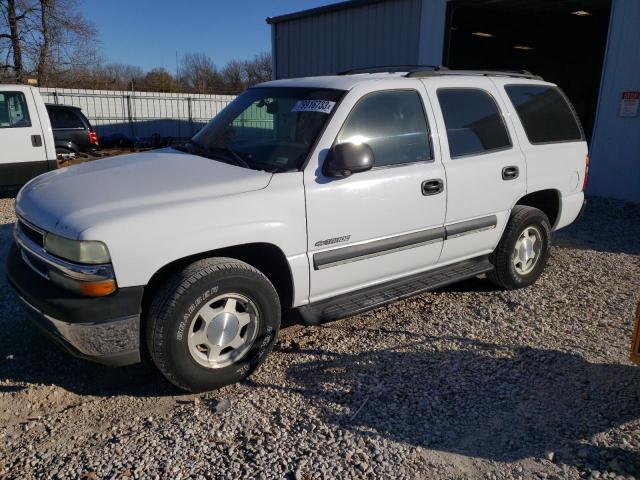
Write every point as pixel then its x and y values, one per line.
pixel 319 106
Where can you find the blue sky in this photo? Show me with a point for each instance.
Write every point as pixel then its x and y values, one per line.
pixel 148 33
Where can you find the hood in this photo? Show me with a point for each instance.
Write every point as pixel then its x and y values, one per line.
pixel 70 200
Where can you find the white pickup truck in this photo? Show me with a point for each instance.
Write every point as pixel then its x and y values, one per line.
pixel 26 140
pixel 329 195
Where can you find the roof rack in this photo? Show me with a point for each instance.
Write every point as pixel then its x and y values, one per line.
pixel 393 69
pixel 417 71
pixel 486 73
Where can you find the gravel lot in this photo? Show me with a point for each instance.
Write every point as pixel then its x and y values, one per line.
pixel 466 382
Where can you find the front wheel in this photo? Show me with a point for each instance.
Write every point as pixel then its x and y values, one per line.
pixel 212 324
pixel 524 249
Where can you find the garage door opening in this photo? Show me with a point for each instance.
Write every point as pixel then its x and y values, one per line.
pixel 564 41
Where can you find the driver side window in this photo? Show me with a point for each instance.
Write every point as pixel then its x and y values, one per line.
pixel 393 124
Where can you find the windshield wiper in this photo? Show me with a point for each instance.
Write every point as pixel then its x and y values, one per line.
pixel 231 157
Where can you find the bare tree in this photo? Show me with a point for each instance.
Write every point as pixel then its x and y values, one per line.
pixel 198 73
pixel 61 34
pixel 259 69
pixel 159 80
pixel 14 15
pixel 45 37
pixel 233 77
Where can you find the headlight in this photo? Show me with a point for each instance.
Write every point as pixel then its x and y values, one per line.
pixel 80 251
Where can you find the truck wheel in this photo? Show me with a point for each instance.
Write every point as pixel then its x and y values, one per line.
pixel 212 324
pixel 523 250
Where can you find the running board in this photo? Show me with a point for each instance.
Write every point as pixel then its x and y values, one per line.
pixel 372 297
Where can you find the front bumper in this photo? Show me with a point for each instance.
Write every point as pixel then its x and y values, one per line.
pixel 101 329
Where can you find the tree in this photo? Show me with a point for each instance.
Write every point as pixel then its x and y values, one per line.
pixel 118 76
pixel 198 73
pixel 159 80
pixel 259 69
pixel 62 38
pixel 47 37
pixel 233 77
pixel 14 17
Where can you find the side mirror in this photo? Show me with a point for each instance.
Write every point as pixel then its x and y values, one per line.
pixel 344 159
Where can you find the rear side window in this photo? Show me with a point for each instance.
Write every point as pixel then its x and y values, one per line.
pixel 393 124
pixel 63 118
pixel 13 110
pixel 545 113
pixel 474 122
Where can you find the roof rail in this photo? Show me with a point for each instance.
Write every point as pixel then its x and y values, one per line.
pixel 394 69
pixel 486 73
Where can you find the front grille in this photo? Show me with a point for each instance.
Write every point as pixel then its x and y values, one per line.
pixel 34 235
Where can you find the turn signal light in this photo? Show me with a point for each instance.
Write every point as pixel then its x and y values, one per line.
pixel 586 172
pixel 97 289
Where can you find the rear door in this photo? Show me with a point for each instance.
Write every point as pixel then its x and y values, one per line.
pixel 485 169
pixel 387 222
pixel 23 153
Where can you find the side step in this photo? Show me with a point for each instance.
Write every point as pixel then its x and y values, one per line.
pixel 372 297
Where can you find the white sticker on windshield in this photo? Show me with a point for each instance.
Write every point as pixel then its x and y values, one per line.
pixel 320 106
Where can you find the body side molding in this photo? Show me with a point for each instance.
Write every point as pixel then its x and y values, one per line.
pixel 338 256
pixel 361 251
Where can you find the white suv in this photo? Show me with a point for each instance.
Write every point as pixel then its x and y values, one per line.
pixel 329 195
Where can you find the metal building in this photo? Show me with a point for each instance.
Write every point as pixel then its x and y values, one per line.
pixel 590 48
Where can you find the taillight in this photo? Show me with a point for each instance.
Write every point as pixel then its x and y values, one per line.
pixel 586 172
pixel 93 137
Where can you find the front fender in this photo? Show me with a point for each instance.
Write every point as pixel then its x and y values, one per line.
pixel 143 242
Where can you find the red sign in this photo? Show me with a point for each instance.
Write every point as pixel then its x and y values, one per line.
pixel 631 95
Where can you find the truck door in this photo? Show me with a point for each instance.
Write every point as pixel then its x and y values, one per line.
pixel 485 168
pixel 387 222
pixel 23 153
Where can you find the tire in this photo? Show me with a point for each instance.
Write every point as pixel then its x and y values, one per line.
pixel 175 318
pixel 506 273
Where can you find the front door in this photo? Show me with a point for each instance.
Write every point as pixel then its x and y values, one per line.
pixel 23 153
pixel 387 222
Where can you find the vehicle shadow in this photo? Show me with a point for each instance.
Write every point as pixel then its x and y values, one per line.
pixel 607 225
pixel 28 357
pixel 9 192
pixel 477 399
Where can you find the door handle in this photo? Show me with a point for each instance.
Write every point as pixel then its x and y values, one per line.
pixel 36 140
pixel 432 187
pixel 510 173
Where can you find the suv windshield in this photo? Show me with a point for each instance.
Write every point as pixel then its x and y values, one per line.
pixel 269 129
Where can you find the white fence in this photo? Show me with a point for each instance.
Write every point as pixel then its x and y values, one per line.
pixel 141 114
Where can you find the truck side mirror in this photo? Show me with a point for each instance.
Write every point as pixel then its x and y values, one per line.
pixel 343 159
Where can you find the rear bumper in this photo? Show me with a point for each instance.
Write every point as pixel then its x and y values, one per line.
pixel 104 329
pixel 571 207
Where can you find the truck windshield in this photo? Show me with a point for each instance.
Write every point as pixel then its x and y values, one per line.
pixel 267 128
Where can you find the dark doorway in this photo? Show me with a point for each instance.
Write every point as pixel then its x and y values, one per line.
pixel 562 40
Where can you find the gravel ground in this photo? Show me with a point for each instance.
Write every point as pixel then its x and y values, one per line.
pixel 466 382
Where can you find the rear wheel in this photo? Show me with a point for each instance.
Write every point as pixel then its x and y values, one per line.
pixel 523 250
pixel 212 324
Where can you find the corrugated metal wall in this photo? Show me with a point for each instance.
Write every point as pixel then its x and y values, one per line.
pixel 615 148
pixel 142 114
pixel 380 33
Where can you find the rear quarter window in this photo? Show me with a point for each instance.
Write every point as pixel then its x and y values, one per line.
pixel 545 113
pixel 64 118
